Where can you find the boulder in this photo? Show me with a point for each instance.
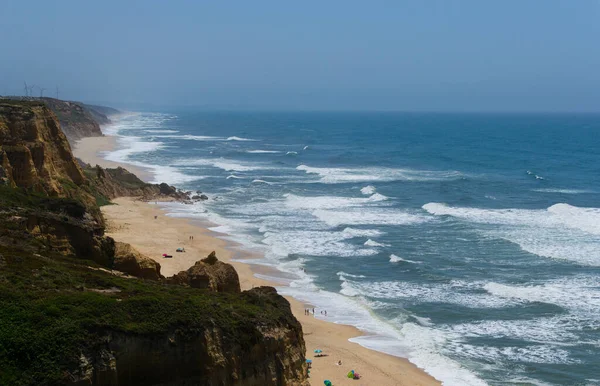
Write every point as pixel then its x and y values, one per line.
pixel 210 273
pixel 130 261
pixel 166 189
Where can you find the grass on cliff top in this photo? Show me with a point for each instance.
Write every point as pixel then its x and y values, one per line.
pixel 50 313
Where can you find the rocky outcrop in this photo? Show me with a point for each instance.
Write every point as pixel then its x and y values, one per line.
pixel 35 153
pixel 267 354
pixel 118 182
pixel 129 260
pixel 210 273
pixel 76 120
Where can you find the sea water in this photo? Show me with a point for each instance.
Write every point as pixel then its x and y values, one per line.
pixel 467 243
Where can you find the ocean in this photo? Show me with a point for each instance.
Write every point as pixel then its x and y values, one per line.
pixel 467 243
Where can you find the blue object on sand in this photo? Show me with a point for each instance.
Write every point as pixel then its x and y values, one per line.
pixel 317 351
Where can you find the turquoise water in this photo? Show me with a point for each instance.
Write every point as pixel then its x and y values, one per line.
pixel 468 243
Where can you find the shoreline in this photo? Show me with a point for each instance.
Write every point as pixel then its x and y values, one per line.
pixel 132 221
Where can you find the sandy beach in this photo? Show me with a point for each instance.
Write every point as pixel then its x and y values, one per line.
pixel 132 221
pixel 92 149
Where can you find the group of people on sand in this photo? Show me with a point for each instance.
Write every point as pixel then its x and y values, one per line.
pixel 307 311
pixel 191 238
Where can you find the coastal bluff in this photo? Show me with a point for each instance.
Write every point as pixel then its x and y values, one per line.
pixel 70 316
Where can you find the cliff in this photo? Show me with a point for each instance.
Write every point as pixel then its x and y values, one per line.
pixel 78 120
pixel 64 322
pixel 66 317
pixel 34 151
pixel 119 182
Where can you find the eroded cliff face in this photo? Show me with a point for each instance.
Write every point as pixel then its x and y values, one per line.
pixel 35 153
pixel 76 119
pixel 266 354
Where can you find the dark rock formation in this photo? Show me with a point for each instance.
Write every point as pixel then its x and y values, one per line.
pixel 129 260
pixel 210 273
pixel 166 189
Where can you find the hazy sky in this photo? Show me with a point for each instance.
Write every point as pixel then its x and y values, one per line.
pixel 481 55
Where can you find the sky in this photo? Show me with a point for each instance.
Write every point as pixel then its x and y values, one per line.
pixel 420 55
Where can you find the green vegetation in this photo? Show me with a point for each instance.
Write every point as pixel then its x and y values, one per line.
pixel 50 311
pixel 21 198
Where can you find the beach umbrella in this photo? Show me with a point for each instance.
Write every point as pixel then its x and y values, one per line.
pixel 327 382
pixel 309 361
pixel 317 351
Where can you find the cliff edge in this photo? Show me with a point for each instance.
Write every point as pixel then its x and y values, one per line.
pixel 68 317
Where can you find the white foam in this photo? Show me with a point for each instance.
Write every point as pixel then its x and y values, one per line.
pixel 313 243
pixel 579 294
pixel 529 354
pixel 371 243
pixel 343 274
pixel 368 190
pixel 225 164
pixel 352 232
pixel 451 293
pixel 544 330
pixel 233 176
pixel 169 175
pixel 190 137
pixel 562 231
pixel 305 147
pixel 129 146
pixel 291 153
pixel 263 151
pixel 330 202
pixel 241 139
pixel 162 131
pixel 345 175
pixel 367 216
pixel 397 259
pixel 261 182
pixel 564 191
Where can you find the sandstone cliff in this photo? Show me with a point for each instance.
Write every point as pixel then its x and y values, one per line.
pixel 67 319
pixel 210 273
pixel 129 260
pixel 76 119
pixel 34 151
